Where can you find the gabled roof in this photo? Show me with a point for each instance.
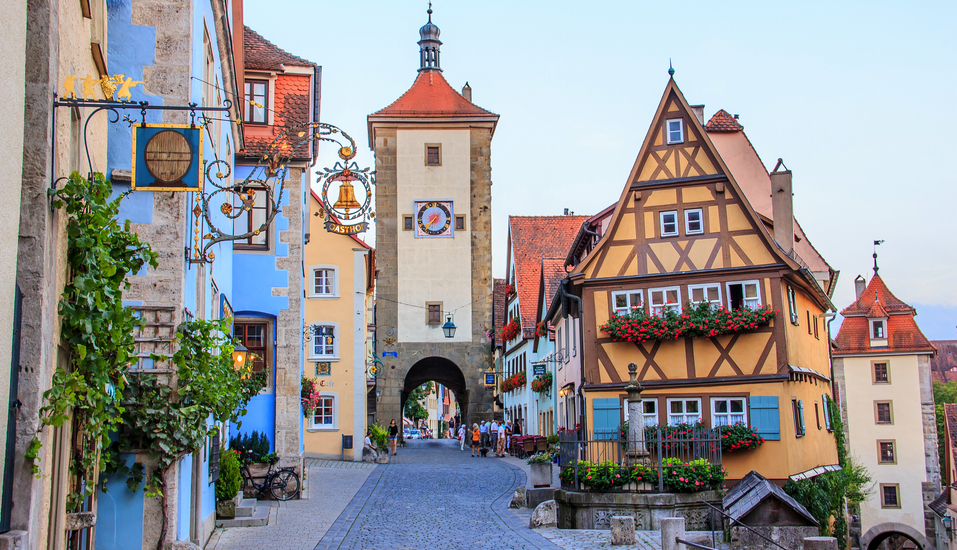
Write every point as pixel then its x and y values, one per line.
pixel 264 55
pixel 876 289
pixel 752 490
pixel 498 308
pixel 950 420
pixel 532 238
pixel 553 271
pixel 903 334
pixel 431 96
pixel 939 504
pixel 723 122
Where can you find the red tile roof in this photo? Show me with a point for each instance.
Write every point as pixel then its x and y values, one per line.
pixel 903 334
pixel 722 121
pixel 291 106
pixel 553 271
pixel 945 363
pixel 262 54
pixel 430 96
pixel 950 418
pixel 532 238
pixel 498 308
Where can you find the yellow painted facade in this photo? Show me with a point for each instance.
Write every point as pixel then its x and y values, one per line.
pixel 341 374
pixel 682 225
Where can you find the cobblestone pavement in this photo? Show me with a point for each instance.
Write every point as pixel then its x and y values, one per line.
pixel 432 496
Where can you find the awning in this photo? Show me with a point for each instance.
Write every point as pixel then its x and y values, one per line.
pixel 814 472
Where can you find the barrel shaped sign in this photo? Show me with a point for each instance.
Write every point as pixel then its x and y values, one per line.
pixel 167 157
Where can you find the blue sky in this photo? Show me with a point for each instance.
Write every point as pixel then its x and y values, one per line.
pixel 857 98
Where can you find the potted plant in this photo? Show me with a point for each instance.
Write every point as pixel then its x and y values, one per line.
pixel 227 486
pixel 541 469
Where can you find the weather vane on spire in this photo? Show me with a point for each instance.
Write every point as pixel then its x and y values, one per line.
pixel 430 12
pixel 876 243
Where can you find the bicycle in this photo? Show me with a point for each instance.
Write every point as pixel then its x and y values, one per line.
pixel 282 484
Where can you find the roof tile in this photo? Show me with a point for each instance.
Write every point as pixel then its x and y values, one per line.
pixel 944 365
pixel 722 121
pixel 903 334
pixel 431 95
pixel 498 308
pixel 534 238
pixel 262 54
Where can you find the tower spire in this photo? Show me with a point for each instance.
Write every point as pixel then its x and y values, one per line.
pixel 876 243
pixel 429 45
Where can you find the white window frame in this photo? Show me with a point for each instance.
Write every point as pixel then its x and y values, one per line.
pixel 661 220
pixel 704 288
pixel 313 356
pixel 629 307
pixel 684 414
pixel 312 282
pixel 883 323
pixel 658 310
pixel 652 416
pixel 715 414
pixel 681 130
pixel 755 301
pixel 700 230
pixel 335 414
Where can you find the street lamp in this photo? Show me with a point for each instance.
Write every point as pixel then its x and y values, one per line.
pixel 240 356
pixel 449 327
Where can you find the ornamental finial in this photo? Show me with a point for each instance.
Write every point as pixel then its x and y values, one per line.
pixel 671 69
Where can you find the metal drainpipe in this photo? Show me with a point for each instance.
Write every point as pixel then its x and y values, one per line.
pixel 581 351
pixel 830 317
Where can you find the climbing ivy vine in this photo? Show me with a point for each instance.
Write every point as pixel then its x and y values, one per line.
pixel 171 415
pixel 95 326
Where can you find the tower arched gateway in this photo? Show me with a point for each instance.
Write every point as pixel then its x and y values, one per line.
pixel 433 236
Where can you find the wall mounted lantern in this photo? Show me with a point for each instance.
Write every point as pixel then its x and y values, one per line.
pixel 449 327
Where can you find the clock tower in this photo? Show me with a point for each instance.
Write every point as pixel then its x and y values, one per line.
pixel 433 239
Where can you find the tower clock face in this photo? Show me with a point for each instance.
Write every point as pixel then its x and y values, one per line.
pixel 433 219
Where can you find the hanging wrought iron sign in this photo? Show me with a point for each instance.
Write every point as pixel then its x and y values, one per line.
pixel 167 157
pixel 352 209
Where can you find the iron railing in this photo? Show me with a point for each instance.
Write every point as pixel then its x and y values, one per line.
pixel 660 446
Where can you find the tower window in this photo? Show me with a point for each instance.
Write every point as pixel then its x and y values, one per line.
pixel 460 222
pixel 676 132
pixel 407 223
pixel 434 313
pixel 878 329
pixel 433 154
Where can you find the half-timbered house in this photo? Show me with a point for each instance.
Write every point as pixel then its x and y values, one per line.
pixel 684 232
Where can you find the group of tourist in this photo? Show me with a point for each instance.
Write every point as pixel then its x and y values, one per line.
pixel 485 436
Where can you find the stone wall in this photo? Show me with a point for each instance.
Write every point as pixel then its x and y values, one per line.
pixel 472 358
pixel 580 510
pixel 289 329
pixel 788 537
pixel 930 488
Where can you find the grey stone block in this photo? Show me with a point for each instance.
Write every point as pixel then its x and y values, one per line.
pixel 519 499
pixel 545 515
pixel 622 530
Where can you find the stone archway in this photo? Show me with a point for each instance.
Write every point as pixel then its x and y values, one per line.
pixel 874 536
pixel 441 370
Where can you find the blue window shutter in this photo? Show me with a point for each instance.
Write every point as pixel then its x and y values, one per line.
pixel 801 416
pixel 765 417
pixel 607 412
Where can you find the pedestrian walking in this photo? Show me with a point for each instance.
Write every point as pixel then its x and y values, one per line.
pixel 492 435
pixel 508 437
pixel 500 448
pixel 393 436
pixel 475 439
pixel 462 437
pixel 483 433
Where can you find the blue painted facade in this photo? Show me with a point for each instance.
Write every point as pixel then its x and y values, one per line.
pixel 131 49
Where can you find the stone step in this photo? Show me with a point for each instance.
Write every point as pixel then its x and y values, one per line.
pixel 246 508
pixel 259 518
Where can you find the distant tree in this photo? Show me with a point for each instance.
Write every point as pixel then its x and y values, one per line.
pixel 944 393
pixel 414 410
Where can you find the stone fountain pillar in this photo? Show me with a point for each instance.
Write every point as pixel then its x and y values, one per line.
pixel 637 454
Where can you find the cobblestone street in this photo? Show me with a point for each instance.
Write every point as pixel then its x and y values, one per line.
pixel 431 496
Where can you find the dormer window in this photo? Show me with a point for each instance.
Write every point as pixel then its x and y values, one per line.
pixel 878 331
pixel 676 132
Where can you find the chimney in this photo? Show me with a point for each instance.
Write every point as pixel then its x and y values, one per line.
pixel 859 285
pixel 467 92
pixel 782 209
pixel 698 111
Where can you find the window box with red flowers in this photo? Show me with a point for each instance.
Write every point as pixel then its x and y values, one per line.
pixel 542 383
pixel 541 329
pixel 513 382
pixel 509 291
pixel 739 437
pixel 702 320
pixel 511 330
